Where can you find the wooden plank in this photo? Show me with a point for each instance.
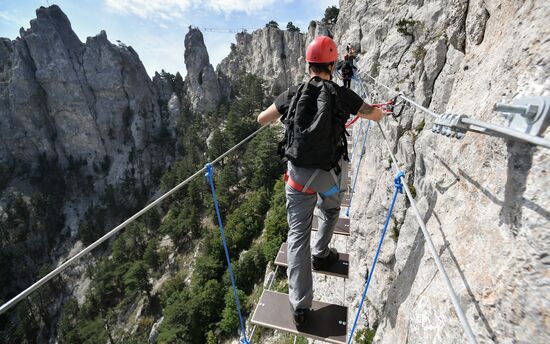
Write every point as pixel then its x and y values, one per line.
pixel 339 268
pixel 342 226
pixel 326 322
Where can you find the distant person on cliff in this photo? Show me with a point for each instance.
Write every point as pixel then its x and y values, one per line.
pixel 315 148
pixel 347 69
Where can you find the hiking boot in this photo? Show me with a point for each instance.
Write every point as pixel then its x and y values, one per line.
pixel 324 263
pixel 300 317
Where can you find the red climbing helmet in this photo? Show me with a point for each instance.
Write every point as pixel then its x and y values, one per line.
pixel 322 50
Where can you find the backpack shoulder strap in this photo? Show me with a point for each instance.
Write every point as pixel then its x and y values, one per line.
pixel 330 86
pixel 292 106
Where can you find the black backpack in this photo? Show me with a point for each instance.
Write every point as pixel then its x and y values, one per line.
pixel 315 133
pixel 347 70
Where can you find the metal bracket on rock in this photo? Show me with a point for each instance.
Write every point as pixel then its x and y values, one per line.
pixel 450 125
pixel 534 113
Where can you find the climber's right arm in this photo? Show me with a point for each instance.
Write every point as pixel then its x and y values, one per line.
pixel 268 115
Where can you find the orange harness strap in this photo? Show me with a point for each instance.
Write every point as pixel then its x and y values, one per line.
pixel 297 186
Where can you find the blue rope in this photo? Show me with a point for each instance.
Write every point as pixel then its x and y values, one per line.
pixel 398 189
pixel 210 174
pixel 357 168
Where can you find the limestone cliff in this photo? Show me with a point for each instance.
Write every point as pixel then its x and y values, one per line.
pixel 485 200
pixel 273 54
pixel 203 88
pixel 87 112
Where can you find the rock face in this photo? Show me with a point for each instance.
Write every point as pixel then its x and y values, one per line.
pixel 67 100
pixel 275 55
pixel 89 107
pixel 270 53
pixel 203 88
pixel 485 200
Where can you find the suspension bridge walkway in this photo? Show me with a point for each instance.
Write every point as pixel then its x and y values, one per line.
pixel 329 322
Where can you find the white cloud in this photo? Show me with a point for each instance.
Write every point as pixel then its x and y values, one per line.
pixel 175 9
pixel 6 16
pixel 166 9
pixel 247 6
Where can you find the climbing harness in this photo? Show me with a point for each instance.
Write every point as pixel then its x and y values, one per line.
pixel 398 189
pixel 210 175
pixel 297 186
pixel 307 190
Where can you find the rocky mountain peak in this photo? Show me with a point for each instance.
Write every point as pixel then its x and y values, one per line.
pixel 203 88
pixel 52 20
pixel 71 103
pixel 274 55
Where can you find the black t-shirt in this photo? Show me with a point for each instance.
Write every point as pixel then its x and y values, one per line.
pixel 350 102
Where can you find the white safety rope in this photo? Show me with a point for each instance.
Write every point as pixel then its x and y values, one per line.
pixel 115 230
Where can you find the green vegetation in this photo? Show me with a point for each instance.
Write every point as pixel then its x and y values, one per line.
pixel 365 336
pixel 29 227
pixel 406 26
pixel 272 23
pixel 230 318
pixel 419 53
pixel 5 176
pixel 276 226
pixel 331 15
pixel 412 188
pixel 117 282
pixel 421 125
pixel 204 309
pixel 292 28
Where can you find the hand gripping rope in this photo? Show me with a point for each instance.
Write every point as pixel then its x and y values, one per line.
pixel 398 189
pixel 389 107
pixel 210 175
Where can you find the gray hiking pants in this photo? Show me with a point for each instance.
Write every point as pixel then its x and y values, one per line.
pixel 300 207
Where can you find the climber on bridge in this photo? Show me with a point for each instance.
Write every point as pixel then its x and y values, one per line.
pixel 315 148
pixel 347 69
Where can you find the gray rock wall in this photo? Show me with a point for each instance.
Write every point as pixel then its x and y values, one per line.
pixel 88 109
pixel 275 55
pixel 66 100
pixel 203 89
pixel 485 200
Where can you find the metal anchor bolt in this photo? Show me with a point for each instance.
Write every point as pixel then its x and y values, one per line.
pixel 528 111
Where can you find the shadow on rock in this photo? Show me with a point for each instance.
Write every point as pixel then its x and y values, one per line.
pixel 520 161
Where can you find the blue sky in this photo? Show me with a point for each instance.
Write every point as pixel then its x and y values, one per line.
pixel 156 28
